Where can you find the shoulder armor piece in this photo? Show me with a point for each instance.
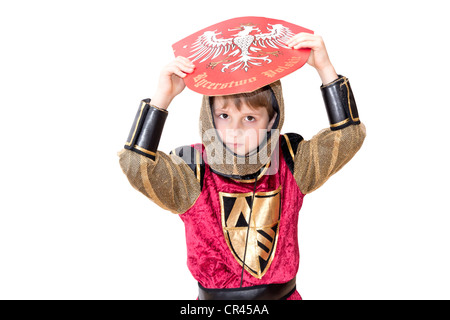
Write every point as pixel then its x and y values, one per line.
pixel 289 143
pixel 193 158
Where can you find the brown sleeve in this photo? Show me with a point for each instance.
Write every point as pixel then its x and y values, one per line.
pixel 325 154
pixel 168 180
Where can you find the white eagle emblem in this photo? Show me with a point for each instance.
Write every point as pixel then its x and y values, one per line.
pixel 249 46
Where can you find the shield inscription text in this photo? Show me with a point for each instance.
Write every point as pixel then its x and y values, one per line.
pixel 263 227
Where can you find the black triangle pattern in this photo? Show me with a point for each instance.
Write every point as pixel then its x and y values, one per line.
pixel 262 264
pixel 228 203
pixel 241 221
pixel 249 201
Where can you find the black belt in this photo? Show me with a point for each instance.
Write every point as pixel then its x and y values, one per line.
pixel 279 291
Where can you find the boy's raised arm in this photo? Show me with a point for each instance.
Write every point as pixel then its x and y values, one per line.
pixel 327 152
pixel 168 180
pixel 165 179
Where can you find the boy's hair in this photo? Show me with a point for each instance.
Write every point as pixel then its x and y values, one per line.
pixel 261 98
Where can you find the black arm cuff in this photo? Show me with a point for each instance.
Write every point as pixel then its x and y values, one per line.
pixel 146 130
pixel 340 103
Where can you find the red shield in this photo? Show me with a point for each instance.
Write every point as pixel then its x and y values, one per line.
pixel 240 55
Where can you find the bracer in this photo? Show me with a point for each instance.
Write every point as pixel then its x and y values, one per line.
pixel 340 103
pixel 147 129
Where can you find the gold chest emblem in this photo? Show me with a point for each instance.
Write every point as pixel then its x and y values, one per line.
pixel 263 227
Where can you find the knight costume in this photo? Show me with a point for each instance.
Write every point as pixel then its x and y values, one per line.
pixel 241 212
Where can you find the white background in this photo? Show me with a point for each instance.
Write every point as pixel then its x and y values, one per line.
pixel 72 74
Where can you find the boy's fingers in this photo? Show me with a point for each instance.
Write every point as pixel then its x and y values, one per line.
pixel 300 38
pixel 184 67
pixel 180 73
pixel 299 35
pixel 308 42
pixel 174 69
pixel 185 61
pixel 304 44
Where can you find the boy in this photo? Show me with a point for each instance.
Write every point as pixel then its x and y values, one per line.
pixel 240 191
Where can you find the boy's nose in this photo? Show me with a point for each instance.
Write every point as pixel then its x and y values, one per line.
pixel 235 127
pixel 235 132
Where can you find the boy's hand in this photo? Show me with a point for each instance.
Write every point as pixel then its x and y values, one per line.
pixel 318 57
pixel 171 82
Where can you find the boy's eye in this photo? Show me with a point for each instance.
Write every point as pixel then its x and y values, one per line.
pixel 223 116
pixel 250 118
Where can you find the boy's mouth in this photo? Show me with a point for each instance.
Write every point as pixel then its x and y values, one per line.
pixel 235 145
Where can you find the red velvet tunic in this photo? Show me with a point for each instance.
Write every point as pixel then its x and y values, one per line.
pixel 210 259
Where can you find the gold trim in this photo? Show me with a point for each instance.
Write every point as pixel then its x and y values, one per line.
pixel 334 125
pixel 335 151
pixel 128 143
pixel 332 82
pixel 145 151
pixel 348 98
pixel 262 227
pixel 148 186
pixel 257 178
pixel 314 155
pixel 240 195
pixel 158 108
pixel 289 145
pixel 197 158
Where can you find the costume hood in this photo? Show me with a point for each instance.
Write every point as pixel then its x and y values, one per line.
pixel 224 161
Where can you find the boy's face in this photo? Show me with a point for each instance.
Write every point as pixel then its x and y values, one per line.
pixel 242 130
